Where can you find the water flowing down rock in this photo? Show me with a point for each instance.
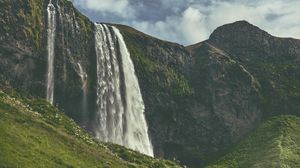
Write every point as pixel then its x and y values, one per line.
pixel 51 42
pixel 84 81
pixel 120 115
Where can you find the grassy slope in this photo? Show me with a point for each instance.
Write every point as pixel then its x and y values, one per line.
pixel 35 134
pixel 275 143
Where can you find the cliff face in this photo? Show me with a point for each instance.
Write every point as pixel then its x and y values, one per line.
pixel 22 33
pixel 24 52
pixel 229 96
pixel 273 61
pixel 200 100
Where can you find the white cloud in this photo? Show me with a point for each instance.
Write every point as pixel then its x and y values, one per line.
pixel 192 25
pixel 120 8
pixel 187 27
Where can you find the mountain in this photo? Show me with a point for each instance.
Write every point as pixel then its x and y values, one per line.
pixel 275 143
pixel 254 76
pixel 218 104
pixel 200 100
pixel 273 61
pixel 34 133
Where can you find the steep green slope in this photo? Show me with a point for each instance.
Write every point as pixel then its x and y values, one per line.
pixel 275 143
pixel 35 134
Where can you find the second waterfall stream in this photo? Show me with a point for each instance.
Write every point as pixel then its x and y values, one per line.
pixel 120 106
pixel 50 48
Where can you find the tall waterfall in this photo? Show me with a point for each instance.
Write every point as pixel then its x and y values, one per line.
pixel 120 115
pixel 51 41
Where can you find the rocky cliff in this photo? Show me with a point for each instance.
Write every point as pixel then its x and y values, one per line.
pixel 200 100
pixel 24 53
pixel 273 61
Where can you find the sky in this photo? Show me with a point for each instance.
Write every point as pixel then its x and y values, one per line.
pixel 190 21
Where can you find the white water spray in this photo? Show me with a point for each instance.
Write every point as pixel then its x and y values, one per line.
pixel 51 42
pixel 120 115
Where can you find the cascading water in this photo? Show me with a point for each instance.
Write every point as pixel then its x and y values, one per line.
pixel 120 115
pixel 51 41
pixel 83 76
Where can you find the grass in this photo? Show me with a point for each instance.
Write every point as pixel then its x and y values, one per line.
pixel 33 133
pixel 134 157
pixel 275 143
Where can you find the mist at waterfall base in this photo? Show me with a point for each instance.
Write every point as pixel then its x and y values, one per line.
pixel 120 115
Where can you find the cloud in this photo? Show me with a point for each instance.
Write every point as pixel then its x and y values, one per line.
pixel 120 8
pixel 191 25
pixel 187 28
pixel 191 21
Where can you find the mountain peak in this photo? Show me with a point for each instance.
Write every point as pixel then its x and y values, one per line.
pixel 242 38
pixel 241 34
pixel 239 22
pixel 241 30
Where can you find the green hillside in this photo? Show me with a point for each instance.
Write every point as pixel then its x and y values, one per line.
pixel 275 143
pixel 35 134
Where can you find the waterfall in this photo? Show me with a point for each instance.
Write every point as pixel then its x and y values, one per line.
pixel 51 41
pixel 120 107
pixel 83 76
